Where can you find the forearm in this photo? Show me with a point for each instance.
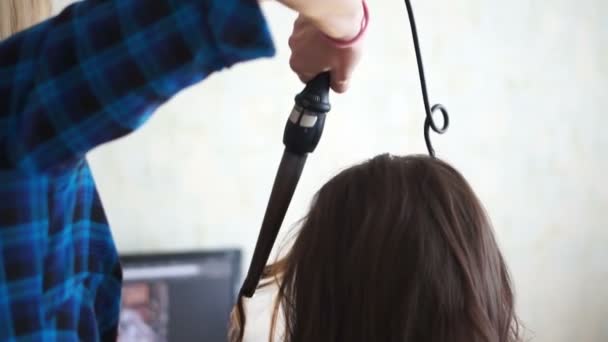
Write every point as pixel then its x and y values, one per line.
pixel 340 19
pixel 98 70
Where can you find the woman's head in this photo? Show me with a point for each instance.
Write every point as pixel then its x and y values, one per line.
pixel 395 249
pixel 17 15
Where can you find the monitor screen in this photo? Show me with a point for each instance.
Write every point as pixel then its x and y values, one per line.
pixel 178 297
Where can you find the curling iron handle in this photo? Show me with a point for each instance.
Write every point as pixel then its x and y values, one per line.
pixel 307 119
pixel 315 96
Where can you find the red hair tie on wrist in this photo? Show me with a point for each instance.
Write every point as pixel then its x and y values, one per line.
pixel 348 43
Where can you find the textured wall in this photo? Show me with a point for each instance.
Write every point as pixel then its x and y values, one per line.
pixel 525 82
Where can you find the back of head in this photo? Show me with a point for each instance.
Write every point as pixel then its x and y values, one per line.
pixel 396 249
pixel 17 15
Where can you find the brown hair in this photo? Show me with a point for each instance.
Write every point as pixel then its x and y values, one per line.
pixel 17 15
pixel 394 249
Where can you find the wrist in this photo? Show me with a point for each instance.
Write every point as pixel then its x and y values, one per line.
pixel 353 40
pixel 346 25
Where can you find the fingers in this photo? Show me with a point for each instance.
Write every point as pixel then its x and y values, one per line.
pixel 340 77
pixel 304 72
pixel 312 53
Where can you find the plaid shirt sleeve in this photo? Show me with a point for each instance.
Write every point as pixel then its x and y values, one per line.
pixel 99 69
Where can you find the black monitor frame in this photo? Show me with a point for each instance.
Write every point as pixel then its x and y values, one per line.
pixel 160 266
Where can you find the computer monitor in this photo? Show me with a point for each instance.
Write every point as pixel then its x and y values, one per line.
pixel 178 297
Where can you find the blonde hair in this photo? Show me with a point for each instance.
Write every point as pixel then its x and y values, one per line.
pixel 17 15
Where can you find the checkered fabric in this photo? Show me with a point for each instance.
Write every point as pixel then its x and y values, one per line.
pixel 94 73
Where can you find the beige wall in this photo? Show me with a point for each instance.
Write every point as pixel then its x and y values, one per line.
pixel 526 84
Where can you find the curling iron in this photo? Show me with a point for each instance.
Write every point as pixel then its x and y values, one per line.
pixel 302 133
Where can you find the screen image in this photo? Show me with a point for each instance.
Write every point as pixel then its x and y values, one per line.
pixel 145 312
pixel 178 297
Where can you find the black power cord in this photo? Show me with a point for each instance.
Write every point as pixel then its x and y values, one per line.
pixel 429 122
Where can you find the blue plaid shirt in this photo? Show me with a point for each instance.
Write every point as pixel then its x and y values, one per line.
pixel 94 73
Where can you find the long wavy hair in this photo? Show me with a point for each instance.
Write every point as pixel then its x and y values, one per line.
pixel 394 249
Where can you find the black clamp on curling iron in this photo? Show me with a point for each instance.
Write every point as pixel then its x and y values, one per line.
pixel 302 134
